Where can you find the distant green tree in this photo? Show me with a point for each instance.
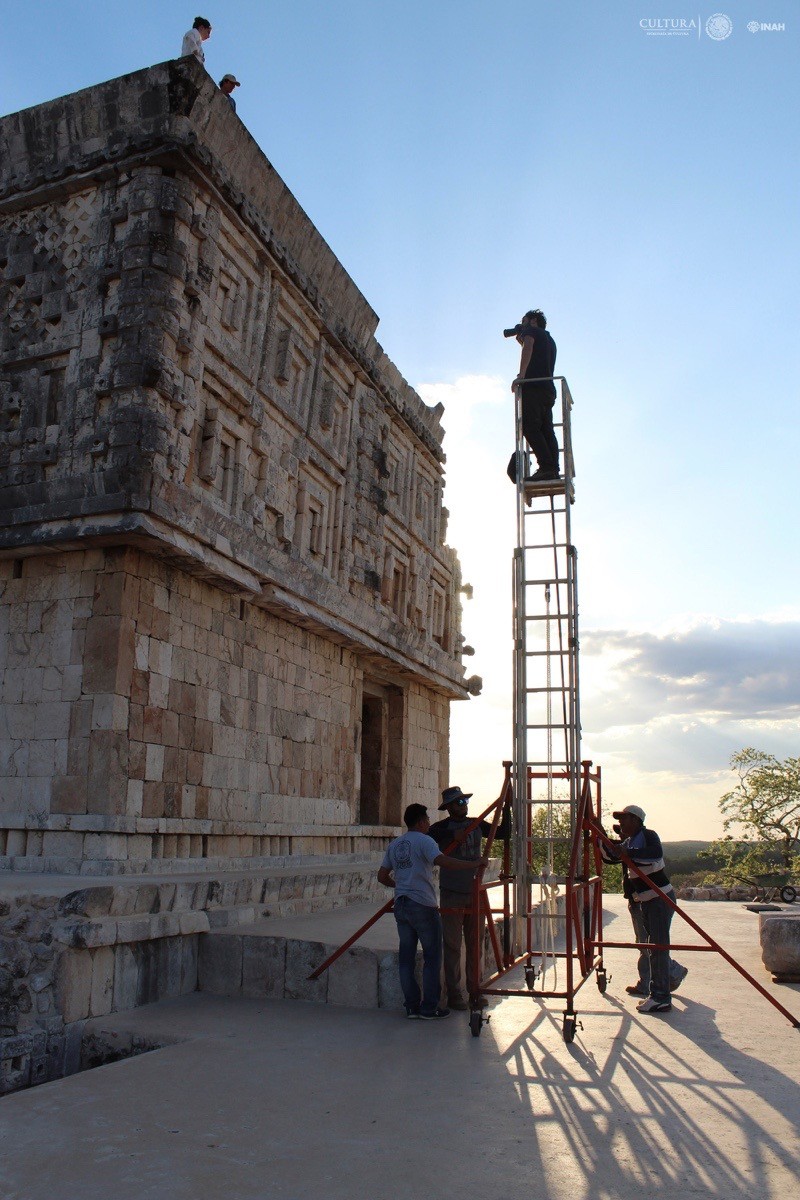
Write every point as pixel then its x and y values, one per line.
pixel 543 832
pixel 765 806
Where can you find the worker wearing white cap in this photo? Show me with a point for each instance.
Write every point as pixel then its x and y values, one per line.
pixel 226 86
pixel 651 915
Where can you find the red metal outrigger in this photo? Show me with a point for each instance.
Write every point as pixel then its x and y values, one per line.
pixel 515 945
pixel 582 918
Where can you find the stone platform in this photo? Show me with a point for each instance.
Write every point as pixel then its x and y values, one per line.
pixel 258 1098
pixel 273 958
pixel 67 953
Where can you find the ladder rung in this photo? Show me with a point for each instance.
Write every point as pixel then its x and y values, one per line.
pixel 553 725
pixel 562 688
pixel 548 582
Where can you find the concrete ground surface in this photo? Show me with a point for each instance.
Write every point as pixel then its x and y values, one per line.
pixel 292 1101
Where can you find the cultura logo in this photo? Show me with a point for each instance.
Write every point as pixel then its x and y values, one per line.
pixel 669 26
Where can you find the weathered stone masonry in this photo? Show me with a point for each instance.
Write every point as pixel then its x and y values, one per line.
pixel 229 618
pixel 229 621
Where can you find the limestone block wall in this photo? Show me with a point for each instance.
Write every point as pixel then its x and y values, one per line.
pixel 150 719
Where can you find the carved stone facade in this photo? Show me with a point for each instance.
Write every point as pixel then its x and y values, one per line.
pixel 229 621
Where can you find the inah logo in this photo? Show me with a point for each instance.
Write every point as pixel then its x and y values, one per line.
pixel 766 27
pixel 719 27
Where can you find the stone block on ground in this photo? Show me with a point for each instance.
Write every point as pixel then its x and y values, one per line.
pixel 74 984
pixel 126 979
pixel 780 945
pixel 102 993
pixel 219 968
pixel 169 967
pixel 353 979
pixel 390 994
pixel 301 959
pixel 263 967
pixel 189 956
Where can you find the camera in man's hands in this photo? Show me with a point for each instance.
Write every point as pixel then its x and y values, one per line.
pixel 515 332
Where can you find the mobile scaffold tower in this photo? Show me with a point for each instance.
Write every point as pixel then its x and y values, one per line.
pixel 549 894
pixel 543 916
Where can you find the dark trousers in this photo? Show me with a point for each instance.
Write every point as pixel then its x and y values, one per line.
pixel 537 426
pixel 417 924
pixel 676 971
pixel 654 919
pixel 458 930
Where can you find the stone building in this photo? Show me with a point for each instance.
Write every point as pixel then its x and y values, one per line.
pixel 229 619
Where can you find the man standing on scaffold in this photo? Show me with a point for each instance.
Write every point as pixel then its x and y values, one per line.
pixel 537 362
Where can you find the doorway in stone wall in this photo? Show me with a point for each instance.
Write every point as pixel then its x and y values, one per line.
pixel 381 798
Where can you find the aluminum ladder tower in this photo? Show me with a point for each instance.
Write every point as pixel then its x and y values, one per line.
pixel 547 733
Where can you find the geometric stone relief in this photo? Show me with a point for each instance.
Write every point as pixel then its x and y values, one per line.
pixel 318 520
pixel 418 593
pixel 222 447
pixel 331 415
pixel 399 457
pixel 437 611
pixel 240 302
pixel 292 370
pixel 426 506
pixel 45 259
pixel 396 579
pixel 32 407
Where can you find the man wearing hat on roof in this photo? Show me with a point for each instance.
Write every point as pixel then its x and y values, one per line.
pixel 226 86
pixel 651 915
pixel 455 894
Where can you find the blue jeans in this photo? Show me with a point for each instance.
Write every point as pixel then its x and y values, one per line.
pixel 651 922
pixel 418 923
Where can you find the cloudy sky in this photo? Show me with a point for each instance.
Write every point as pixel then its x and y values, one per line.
pixel 466 161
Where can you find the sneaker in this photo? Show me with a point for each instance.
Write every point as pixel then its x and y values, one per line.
pixel 412 1014
pixel 459 1005
pixel 651 1005
pixel 439 1015
pixel 636 989
pixel 678 979
pixel 480 1002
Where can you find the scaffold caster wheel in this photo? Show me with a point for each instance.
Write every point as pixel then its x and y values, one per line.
pixel 475 1022
pixel 570 1027
pixel 530 978
pixel 788 895
pixel 602 980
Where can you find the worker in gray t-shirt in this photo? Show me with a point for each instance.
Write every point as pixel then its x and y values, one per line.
pixel 408 867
